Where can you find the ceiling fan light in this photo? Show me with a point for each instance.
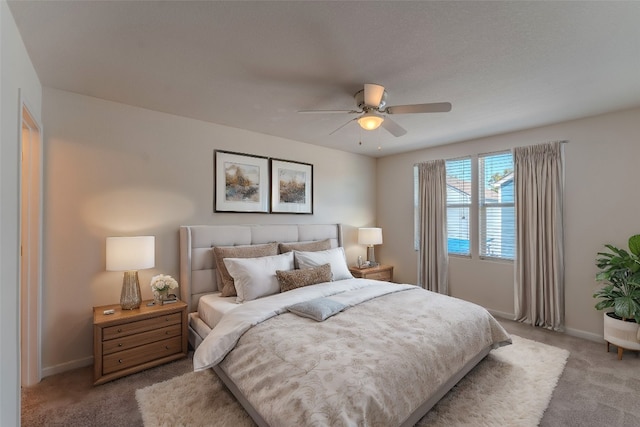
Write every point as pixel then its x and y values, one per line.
pixel 370 121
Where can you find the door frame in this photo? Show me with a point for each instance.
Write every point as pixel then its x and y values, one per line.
pixel 30 259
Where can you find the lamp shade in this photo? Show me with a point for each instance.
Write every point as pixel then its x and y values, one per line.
pixel 370 236
pixel 130 253
pixel 370 121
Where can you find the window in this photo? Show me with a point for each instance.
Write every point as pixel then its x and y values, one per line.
pixel 493 215
pixel 496 208
pixel 458 205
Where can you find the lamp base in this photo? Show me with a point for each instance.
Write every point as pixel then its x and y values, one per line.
pixel 371 256
pixel 130 298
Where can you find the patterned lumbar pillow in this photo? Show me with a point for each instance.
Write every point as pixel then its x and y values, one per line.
pixel 298 278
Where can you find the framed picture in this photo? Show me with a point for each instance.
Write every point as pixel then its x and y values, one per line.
pixel 241 182
pixel 291 187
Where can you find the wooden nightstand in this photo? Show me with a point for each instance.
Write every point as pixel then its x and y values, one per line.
pixel 130 341
pixel 381 272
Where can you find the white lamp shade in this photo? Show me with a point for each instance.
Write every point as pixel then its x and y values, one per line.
pixel 130 253
pixel 370 121
pixel 370 236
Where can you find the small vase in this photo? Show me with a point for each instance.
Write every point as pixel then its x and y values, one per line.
pixel 160 296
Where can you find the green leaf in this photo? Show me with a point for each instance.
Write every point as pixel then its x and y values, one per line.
pixel 611 248
pixel 634 244
pixel 601 305
pixel 623 307
pixel 605 254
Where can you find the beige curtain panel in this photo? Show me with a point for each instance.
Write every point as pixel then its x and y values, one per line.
pixel 539 281
pixel 434 258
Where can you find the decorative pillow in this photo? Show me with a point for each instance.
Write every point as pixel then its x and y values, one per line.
pixel 256 277
pixel 335 257
pixel 298 278
pixel 317 309
pixel 226 286
pixel 317 245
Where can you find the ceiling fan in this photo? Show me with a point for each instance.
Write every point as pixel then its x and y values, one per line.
pixel 373 110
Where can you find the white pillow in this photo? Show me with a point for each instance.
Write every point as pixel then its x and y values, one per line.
pixel 256 277
pixel 335 257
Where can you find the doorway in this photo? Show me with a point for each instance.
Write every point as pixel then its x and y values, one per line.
pixel 30 245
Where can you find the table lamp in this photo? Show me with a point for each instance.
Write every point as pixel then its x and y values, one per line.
pixel 130 254
pixel 370 236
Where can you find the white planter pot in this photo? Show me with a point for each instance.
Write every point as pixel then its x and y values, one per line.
pixel 624 335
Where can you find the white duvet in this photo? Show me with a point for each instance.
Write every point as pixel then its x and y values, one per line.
pixel 226 333
pixel 372 364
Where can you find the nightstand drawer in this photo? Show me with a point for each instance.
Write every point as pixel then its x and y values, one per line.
pixel 141 354
pixel 131 328
pixel 381 275
pixel 125 343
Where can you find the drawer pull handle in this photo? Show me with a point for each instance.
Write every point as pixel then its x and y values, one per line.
pixel 167 347
pixel 166 319
pixel 119 360
pixel 120 345
pixel 167 333
pixel 119 330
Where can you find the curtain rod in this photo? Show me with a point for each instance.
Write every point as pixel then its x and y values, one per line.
pixel 565 141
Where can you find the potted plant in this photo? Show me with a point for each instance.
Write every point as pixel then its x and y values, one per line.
pixel 620 273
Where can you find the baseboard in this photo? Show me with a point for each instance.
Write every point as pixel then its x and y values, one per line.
pixel 501 314
pixel 584 335
pixel 569 331
pixel 67 366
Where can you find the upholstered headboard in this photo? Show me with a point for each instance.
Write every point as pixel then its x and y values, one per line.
pixel 197 267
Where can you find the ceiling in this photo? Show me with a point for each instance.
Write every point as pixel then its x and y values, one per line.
pixel 504 66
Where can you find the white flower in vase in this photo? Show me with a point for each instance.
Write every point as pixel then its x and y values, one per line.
pixel 161 285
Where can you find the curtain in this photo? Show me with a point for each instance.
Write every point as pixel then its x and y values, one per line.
pixel 539 281
pixel 433 255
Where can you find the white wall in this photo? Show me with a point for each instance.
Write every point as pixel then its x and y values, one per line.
pixel 601 206
pixel 17 73
pixel 112 169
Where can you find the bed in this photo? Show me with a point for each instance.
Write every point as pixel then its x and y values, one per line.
pixel 328 352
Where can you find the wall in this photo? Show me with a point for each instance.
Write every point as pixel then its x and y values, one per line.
pixel 17 74
pixel 112 169
pixel 601 206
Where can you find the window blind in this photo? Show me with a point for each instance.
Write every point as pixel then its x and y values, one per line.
pixel 458 205
pixel 496 206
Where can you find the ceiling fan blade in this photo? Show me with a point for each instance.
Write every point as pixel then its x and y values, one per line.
pixel 329 112
pixel 435 107
pixel 394 128
pixel 373 94
pixel 343 126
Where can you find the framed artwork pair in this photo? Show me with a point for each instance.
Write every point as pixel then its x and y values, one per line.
pixel 257 184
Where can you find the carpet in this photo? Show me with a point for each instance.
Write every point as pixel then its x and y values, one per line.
pixel 511 386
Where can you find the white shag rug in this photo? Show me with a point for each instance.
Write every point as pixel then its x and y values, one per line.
pixel 512 386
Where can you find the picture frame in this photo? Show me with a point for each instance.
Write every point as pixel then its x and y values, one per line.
pixel 241 182
pixel 291 187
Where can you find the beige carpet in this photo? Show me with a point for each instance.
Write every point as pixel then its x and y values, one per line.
pixel 512 386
